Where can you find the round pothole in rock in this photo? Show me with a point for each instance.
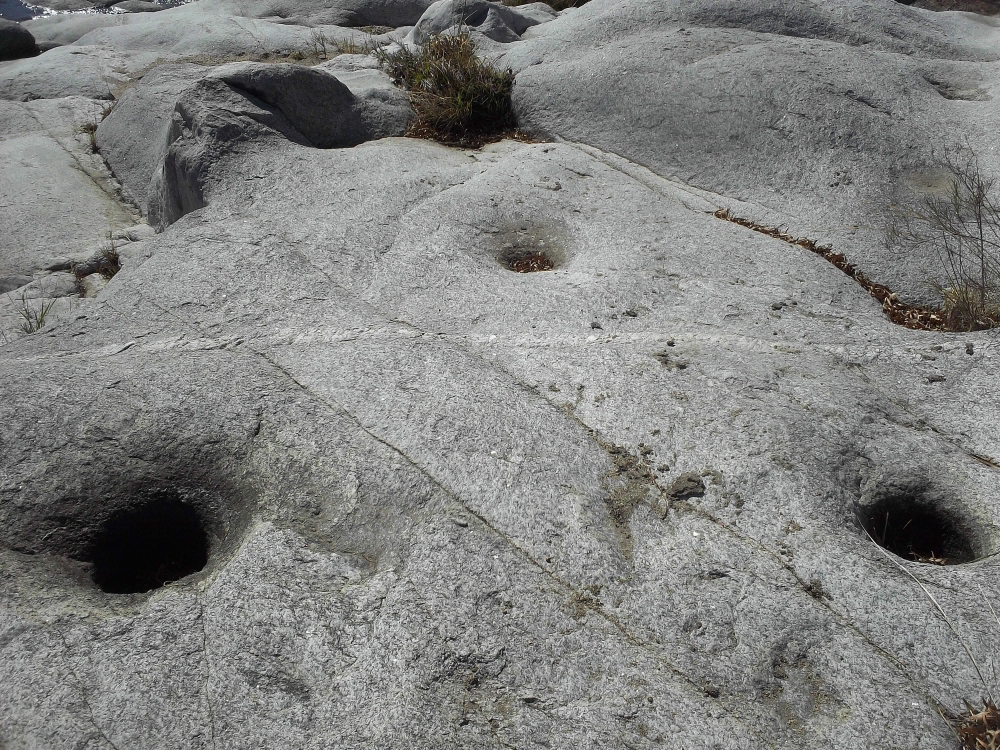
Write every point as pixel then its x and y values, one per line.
pixel 529 247
pixel 527 261
pixel 919 531
pixel 142 547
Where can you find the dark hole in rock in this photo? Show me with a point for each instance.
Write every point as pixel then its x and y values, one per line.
pixel 528 262
pixel 918 531
pixel 142 547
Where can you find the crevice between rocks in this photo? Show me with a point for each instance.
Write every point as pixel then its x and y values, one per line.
pixel 102 181
pixel 901 313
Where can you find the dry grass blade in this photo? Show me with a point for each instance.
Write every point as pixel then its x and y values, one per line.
pixel 109 261
pixel 33 316
pixel 937 605
pixel 977 729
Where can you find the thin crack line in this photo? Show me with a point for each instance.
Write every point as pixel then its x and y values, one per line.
pixel 750 542
pixel 747 541
pixel 83 693
pixel 208 672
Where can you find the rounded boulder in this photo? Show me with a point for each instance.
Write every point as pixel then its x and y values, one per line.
pixel 15 41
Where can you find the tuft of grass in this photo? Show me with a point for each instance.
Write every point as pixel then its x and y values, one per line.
pixel 320 44
pixel 964 307
pixel 347 47
pixel 32 316
pixel 979 729
pixel 106 262
pixel 459 98
pixel 90 128
pixel 109 262
pixel 554 4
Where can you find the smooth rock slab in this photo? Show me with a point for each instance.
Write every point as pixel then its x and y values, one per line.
pixel 198 30
pixel 317 104
pixel 440 494
pixel 90 71
pixel 821 116
pixel 167 134
pixel 986 7
pixel 138 6
pixel 393 13
pixel 67 28
pixel 55 198
pixel 133 138
pixel 615 504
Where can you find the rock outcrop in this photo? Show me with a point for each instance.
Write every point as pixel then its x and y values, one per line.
pixel 329 12
pixel 171 131
pixel 15 41
pixel 986 7
pixel 322 466
pixel 493 20
pixel 821 115
pixel 292 12
pixel 58 199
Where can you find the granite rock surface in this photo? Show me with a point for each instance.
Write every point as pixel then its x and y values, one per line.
pixel 319 468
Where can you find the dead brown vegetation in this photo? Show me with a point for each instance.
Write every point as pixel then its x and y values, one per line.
pixel 458 98
pixel 899 312
pixel 979 728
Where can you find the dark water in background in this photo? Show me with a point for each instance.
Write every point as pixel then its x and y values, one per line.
pixel 15 10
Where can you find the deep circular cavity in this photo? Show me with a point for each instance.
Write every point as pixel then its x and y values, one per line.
pixel 916 530
pixel 144 546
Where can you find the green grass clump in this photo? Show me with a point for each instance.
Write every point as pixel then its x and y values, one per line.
pixel 33 316
pixel 458 98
